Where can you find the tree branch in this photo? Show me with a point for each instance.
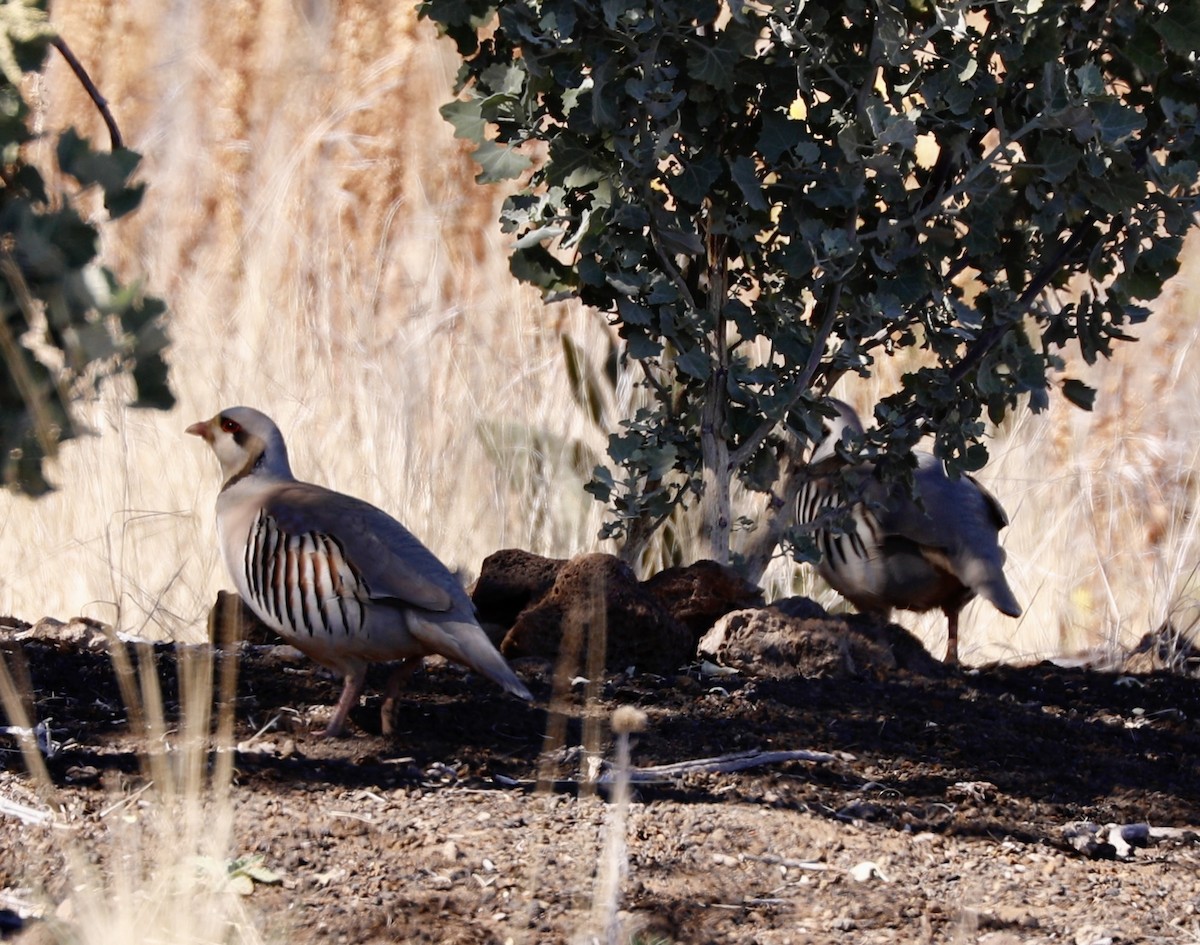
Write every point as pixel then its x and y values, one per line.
pixel 802 383
pixel 101 103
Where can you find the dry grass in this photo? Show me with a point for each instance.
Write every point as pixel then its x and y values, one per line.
pixel 158 866
pixel 327 257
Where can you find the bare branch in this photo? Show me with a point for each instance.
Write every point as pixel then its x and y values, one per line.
pixel 101 103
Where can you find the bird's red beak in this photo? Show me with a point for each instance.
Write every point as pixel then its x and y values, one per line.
pixel 202 429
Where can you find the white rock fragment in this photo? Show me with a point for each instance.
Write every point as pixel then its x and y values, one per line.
pixel 866 872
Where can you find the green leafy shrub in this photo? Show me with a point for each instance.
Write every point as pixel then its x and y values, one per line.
pixel 763 197
pixel 66 323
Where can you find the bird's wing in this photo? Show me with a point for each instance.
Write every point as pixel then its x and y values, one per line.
pixel 392 562
pixel 995 510
pixel 465 642
pixel 951 513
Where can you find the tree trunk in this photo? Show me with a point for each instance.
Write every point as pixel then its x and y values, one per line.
pixel 778 515
pixel 717 504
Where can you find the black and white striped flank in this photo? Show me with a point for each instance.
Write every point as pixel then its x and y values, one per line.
pixel 816 507
pixel 303 583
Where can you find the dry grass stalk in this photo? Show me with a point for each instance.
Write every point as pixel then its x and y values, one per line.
pixel 158 870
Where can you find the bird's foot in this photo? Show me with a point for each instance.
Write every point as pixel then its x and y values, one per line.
pixel 400 675
pixel 332 731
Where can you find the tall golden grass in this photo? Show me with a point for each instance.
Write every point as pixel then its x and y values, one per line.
pixel 327 257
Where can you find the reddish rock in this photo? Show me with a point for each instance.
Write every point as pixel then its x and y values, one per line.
pixel 595 597
pixel 509 581
pixel 231 621
pixel 699 594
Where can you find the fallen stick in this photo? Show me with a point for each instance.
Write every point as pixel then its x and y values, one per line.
pixel 721 764
pixel 772 860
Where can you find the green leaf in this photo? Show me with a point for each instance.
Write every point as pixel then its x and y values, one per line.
pixel 503 78
pixel 695 181
pixel 108 170
pixel 466 117
pixel 498 163
pixel 714 65
pixel 744 175
pixel 639 345
pixel 120 202
pixel 633 313
pixel 1117 122
pixel 1179 27
pixel 779 135
pixel 602 484
pixel 1091 80
pixel 695 363
pixel 1079 393
pixel 538 267
pixel 1057 159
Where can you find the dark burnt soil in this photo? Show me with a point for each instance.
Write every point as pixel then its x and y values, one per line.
pixel 944 815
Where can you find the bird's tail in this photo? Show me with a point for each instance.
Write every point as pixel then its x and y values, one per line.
pixel 983 573
pixel 466 643
pixel 1001 596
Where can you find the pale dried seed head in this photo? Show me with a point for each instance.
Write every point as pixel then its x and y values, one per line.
pixel 626 719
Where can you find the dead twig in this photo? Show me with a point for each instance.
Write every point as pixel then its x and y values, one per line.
pixel 101 103
pixel 721 764
pixel 787 862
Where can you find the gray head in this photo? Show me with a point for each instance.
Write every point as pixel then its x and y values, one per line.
pixel 246 442
pixel 833 430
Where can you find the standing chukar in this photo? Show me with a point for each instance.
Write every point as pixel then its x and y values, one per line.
pixel 340 579
pixel 898 553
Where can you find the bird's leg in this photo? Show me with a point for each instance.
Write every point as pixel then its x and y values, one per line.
pixel 353 688
pixel 951 638
pixel 400 675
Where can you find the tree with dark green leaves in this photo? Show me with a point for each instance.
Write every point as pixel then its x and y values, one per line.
pixel 66 322
pixel 766 196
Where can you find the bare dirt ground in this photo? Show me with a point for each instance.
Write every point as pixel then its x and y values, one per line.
pixel 945 814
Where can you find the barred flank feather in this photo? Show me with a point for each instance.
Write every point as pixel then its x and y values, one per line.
pixel 304 583
pixel 818 498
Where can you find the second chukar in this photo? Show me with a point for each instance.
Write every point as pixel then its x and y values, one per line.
pixel 898 553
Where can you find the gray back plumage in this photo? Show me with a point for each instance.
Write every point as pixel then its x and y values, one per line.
pixel 389 560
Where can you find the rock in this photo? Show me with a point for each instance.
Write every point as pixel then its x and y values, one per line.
pixel 769 642
pixel 10 624
pixel 230 621
pixel 802 607
pixel 509 581
pixel 699 594
pixel 594 594
pixel 78 633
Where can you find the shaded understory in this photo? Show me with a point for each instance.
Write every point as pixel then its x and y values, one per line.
pixel 958 787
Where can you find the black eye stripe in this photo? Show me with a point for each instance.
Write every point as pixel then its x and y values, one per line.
pixel 236 430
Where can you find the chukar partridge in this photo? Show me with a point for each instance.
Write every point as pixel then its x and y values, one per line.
pixel 898 553
pixel 340 579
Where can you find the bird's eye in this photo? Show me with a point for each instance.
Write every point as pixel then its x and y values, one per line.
pixel 230 426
